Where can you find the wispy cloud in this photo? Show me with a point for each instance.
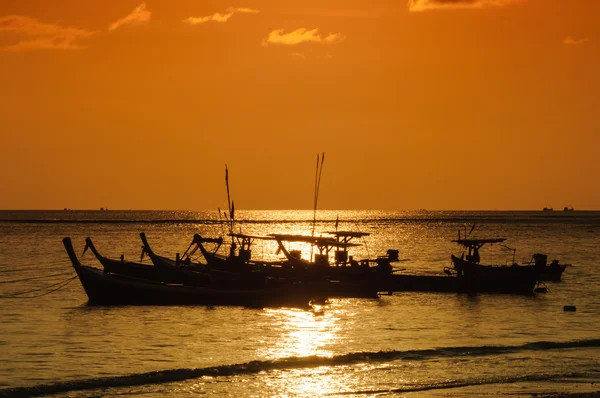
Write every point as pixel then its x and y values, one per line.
pixel 423 5
pixel 571 41
pixel 301 35
pixel 138 16
pixel 220 16
pixel 35 35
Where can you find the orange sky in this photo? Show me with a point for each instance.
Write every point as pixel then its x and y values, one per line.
pixel 473 104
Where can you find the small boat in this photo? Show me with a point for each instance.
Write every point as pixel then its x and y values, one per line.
pixel 202 274
pixel 122 267
pixel 568 208
pixel 514 278
pixel 548 272
pixel 547 209
pixel 105 288
pixel 176 270
pixel 339 277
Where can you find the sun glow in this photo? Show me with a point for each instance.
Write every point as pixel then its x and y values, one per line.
pixel 303 333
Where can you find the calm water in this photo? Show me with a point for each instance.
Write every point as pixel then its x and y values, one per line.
pixel 430 344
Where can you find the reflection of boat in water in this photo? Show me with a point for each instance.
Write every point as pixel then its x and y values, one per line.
pixel 497 278
pixel 106 288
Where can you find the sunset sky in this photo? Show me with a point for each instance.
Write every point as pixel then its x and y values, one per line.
pixel 435 104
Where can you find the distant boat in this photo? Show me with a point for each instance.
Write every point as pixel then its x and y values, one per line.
pixel 568 208
pixel 547 209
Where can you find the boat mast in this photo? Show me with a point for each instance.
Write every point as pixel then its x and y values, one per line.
pixel 229 202
pixel 318 172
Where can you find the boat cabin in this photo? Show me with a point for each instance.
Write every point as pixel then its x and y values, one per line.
pixel 473 246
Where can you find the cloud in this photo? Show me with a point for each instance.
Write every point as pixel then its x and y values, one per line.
pixel 301 35
pixel 37 35
pixel 423 5
pixel 571 41
pixel 298 55
pixel 138 16
pixel 220 17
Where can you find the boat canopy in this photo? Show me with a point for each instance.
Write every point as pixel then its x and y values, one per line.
pixel 477 242
pixel 349 234
pixel 245 236
pixel 320 241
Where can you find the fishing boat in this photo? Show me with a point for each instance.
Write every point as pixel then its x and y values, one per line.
pixel 338 278
pixel 122 267
pixel 201 274
pixel 548 272
pixel 106 288
pixel 512 278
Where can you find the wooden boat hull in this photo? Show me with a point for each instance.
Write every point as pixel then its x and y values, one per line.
pixel 104 288
pixel 519 279
pixel 452 284
pixel 127 268
pixel 552 273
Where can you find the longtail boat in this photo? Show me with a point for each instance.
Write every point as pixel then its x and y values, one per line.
pixel 105 288
pixel 123 267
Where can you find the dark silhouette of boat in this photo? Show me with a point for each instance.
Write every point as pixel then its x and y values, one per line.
pixel 548 272
pixel 495 278
pixel 106 288
pixel 343 276
pixel 374 274
pixel 122 267
pixel 201 274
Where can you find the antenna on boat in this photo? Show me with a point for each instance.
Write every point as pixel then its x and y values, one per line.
pixel 221 220
pixel 318 172
pixel 229 202
pixel 472 228
pixel 513 250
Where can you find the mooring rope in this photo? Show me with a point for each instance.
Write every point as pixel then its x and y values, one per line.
pixel 36 266
pixel 36 277
pixel 61 283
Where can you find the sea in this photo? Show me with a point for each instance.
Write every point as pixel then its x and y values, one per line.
pixel 406 344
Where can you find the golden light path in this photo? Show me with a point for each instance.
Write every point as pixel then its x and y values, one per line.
pixel 303 333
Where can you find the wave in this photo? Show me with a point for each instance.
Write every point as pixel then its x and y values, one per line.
pixel 470 383
pixel 255 367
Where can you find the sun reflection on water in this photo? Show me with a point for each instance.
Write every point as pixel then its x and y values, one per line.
pixel 302 333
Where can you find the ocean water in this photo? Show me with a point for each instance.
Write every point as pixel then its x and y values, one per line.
pixel 418 344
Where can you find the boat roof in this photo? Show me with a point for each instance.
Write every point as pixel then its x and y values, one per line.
pixel 475 242
pixel 315 240
pixel 246 236
pixel 351 234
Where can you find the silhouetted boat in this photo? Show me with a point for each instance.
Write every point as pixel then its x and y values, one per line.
pixel 105 288
pixel 548 272
pixel 177 270
pixel 568 208
pixel 122 267
pixel 493 278
pixel 342 278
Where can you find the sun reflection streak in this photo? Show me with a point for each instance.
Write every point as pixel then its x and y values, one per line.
pixel 303 333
